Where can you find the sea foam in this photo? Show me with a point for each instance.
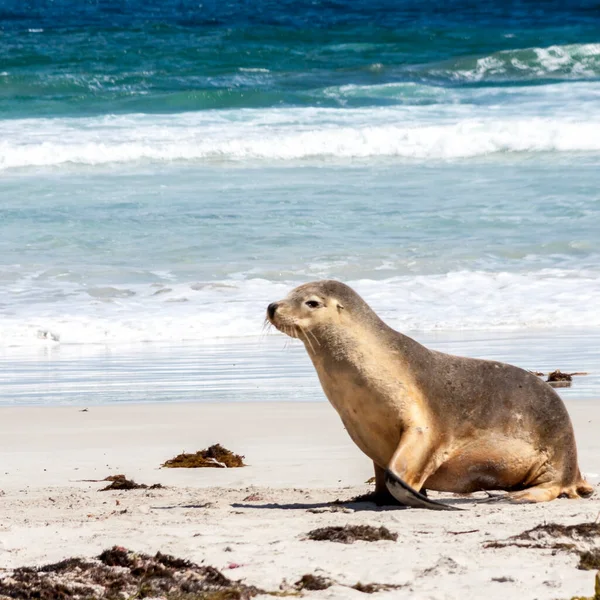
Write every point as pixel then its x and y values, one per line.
pixel 463 139
pixel 461 300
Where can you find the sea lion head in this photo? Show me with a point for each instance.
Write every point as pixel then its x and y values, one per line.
pixel 317 308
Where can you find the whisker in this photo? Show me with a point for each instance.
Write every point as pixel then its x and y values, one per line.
pixel 264 331
pixel 287 339
pixel 300 332
pixel 313 336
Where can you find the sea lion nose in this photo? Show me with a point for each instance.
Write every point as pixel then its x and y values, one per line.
pixel 271 309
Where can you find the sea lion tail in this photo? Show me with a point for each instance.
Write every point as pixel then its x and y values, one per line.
pixel 409 496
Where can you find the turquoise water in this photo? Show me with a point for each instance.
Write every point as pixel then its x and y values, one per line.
pixel 194 251
pixel 169 168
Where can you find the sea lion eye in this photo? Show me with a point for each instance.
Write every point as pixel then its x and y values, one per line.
pixel 312 303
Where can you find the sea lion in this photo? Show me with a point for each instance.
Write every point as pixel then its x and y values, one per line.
pixel 430 420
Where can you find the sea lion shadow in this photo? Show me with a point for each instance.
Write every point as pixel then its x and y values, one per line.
pixel 175 506
pixel 337 505
pixel 319 506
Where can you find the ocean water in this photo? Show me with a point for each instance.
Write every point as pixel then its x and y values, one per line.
pixel 168 168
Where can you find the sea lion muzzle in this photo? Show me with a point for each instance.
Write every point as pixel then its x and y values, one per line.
pixel 271 309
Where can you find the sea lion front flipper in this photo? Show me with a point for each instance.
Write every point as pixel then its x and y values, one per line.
pixel 409 496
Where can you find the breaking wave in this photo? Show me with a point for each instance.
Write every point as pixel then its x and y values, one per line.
pixel 173 140
pixel 571 62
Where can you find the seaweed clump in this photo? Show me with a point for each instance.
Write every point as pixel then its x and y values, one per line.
pixel 119 573
pixel 215 457
pixel 348 534
pixel 589 560
pixel 558 375
pixel 555 530
pixel 318 582
pixel 120 482
pixel 537 537
pixel 545 536
pixel 559 379
pixel 372 588
pixel 313 582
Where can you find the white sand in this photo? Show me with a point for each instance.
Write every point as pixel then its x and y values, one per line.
pixel 300 460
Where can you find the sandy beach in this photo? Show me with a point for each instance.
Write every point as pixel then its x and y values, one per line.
pixel 251 523
pixel 169 169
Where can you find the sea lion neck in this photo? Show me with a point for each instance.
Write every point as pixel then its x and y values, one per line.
pixel 347 344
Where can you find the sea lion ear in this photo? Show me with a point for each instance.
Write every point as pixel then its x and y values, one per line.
pixel 340 306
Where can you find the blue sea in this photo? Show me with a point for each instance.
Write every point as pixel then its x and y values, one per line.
pixel 168 168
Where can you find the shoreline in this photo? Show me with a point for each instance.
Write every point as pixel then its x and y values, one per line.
pixel 256 518
pixel 266 369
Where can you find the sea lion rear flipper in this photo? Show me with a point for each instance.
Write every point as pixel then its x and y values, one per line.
pixel 409 496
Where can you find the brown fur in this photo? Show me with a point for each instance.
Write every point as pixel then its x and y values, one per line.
pixel 437 421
